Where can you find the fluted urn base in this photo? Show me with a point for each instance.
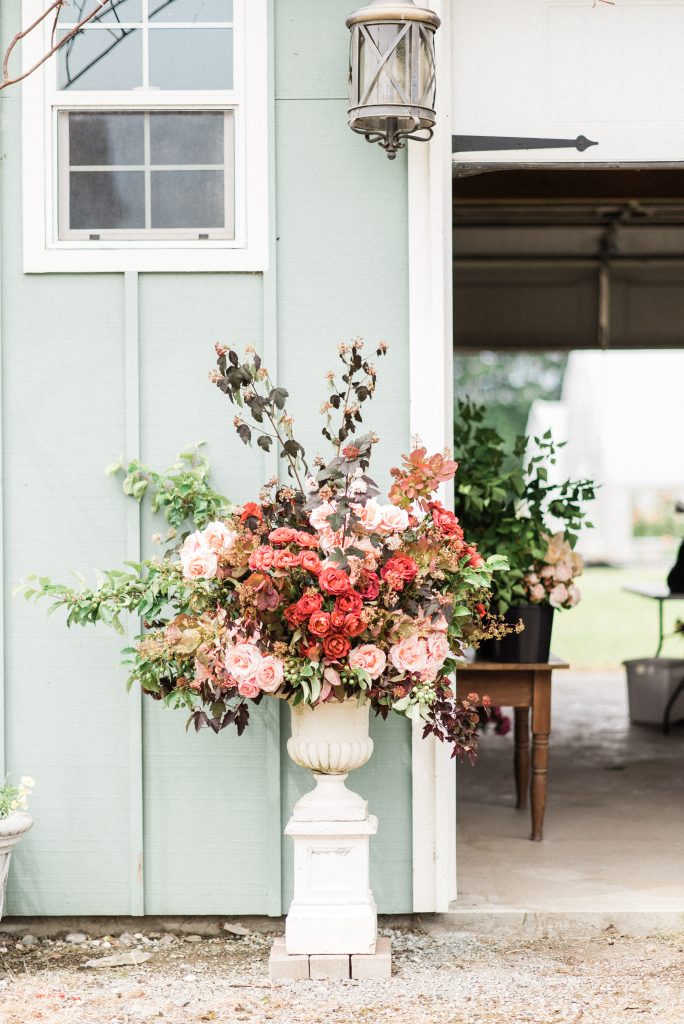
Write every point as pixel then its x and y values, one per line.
pixel 333 910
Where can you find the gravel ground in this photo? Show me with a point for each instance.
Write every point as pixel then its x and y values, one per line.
pixel 439 978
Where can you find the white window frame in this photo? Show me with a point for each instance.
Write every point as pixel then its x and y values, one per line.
pixel 44 252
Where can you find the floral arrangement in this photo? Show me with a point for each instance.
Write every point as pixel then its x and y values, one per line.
pixel 506 499
pixel 15 798
pixel 317 591
pixel 552 578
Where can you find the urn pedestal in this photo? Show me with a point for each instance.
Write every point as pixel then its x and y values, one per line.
pixel 333 910
pixel 12 830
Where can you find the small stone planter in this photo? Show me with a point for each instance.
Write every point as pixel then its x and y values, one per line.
pixel 12 830
pixel 333 910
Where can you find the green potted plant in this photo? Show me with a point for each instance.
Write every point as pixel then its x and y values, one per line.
pixel 505 499
pixel 14 823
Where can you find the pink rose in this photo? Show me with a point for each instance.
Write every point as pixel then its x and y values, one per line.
pixel 319 517
pixel 370 658
pixel 547 573
pixel 537 593
pixel 248 688
pixel 393 519
pixel 192 543
pixel 574 595
pixel 242 661
pixel 563 572
pixel 218 537
pixel 199 564
pixel 409 655
pixel 438 647
pixel 270 674
pixel 558 596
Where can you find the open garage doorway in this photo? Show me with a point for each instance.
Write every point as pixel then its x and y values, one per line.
pixel 569 316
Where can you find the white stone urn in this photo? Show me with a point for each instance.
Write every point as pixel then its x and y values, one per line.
pixel 333 910
pixel 12 830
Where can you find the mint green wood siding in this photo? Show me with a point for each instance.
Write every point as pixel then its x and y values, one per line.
pixel 94 366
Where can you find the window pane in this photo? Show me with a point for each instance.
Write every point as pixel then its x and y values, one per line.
pixel 115 10
pixel 191 10
pixel 188 199
pixel 102 59
pixel 198 58
pixel 106 139
pixel 186 138
pixel 106 199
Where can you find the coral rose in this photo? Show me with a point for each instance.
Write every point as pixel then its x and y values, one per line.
pixel 444 520
pixel 476 559
pixel 306 540
pixel 349 602
pixel 261 559
pixel 285 559
pixel 353 624
pixel 248 688
pixel 337 618
pixel 282 535
pixel 242 661
pixel 334 581
pixel 398 570
pixel 310 561
pixel 370 658
pixel 251 511
pixel 336 646
pixel 270 674
pixel 409 655
pixel 308 604
pixel 319 623
pixel 293 616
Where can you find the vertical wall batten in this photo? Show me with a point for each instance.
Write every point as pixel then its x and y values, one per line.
pixel 3 754
pixel 133 553
pixel 270 353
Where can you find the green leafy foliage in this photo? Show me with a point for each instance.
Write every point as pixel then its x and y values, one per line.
pixel 504 497
pixel 182 494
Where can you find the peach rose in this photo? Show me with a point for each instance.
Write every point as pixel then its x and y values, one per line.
pixel 191 544
pixel 369 516
pixel 218 537
pixel 370 658
pixel 319 517
pixel 438 647
pixel 199 564
pixel 393 519
pixel 558 596
pixel 409 655
pixel 248 688
pixel 270 674
pixel 242 661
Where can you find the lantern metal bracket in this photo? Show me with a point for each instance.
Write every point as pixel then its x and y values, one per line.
pixel 500 143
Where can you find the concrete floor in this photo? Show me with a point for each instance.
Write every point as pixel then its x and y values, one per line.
pixel 614 829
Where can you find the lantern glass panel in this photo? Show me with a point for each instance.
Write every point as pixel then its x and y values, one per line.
pixel 383 90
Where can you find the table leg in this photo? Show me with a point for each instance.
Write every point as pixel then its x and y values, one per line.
pixel 661 628
pixel 522 756
pixel 541 727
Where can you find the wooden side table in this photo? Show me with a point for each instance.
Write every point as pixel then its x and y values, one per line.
pixel 523 687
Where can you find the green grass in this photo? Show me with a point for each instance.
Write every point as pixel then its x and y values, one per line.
pixel 608 626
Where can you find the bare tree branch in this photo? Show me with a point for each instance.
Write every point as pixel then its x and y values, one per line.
pixel 55 44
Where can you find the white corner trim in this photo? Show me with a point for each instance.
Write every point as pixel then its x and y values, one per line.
pixel 250 250
pixel 431 416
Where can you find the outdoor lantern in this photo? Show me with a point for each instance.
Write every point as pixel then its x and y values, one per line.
pixel 392 73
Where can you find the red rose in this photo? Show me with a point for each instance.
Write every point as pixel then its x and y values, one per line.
pixel 292 615
pixel 349 602
pixel 337 618
pixel 481 610
pixel 444 520
pixel 368 586
pixel 308 604
pixel 399 570
pixel 285 559
pixel 353 624
pixel 334 581
pixel 336 646
pixel 319 624
pixel 310 561
pixel 306 540
pixel 282 535
pixel 251 511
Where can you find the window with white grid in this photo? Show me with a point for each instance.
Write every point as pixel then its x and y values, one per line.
pixel 156 134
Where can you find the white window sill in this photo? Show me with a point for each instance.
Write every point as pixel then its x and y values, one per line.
pixel 147 260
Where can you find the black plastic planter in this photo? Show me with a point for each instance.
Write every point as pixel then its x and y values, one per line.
pixel 532 645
